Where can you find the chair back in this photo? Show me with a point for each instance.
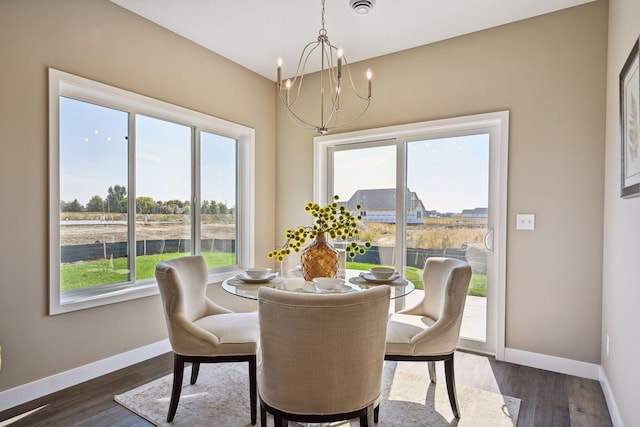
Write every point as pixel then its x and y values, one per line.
pixel 182 283
pixel 446 283
pixel 321 353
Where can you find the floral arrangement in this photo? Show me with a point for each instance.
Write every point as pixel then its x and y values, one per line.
pixel 332 219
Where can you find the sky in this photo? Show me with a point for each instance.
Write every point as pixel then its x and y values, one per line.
pixel 93 156
pixel 448 174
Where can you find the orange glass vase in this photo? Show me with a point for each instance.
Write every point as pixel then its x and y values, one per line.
pixel 320 259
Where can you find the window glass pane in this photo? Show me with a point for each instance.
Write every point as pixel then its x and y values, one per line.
pixel 449 183
pixel 367 177
pixel 218 169
pixel 163 193
pixel 93 192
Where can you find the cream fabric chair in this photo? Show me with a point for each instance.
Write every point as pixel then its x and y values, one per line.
pixel 321 355
pixel 201 331
pixel 430 330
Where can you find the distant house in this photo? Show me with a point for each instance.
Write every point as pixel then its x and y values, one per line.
pixel 380 206
pixel 475 213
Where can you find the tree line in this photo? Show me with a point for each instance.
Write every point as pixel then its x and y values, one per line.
pixel 116 201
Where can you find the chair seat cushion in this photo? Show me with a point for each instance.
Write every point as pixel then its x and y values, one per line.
pixel 238 332
pixel 401 329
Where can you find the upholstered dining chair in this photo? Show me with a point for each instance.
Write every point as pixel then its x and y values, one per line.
pixel 321 355
pixel 430 330
pixel 201 331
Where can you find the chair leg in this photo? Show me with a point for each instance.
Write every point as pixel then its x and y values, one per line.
pixel 432 371
pixel 263 416
pixel 195 370
pixel 364 419
pixel 253 388
pixel 278 421
pixel 178 372
pixel 376 413
pixel 451 386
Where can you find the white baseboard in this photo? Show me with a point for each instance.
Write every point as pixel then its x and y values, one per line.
pixel 611 402
pixel 42 387
pixel 552 363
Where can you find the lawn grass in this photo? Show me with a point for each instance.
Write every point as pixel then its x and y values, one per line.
pixel 92 273
pixel 477 287
pixel 100 272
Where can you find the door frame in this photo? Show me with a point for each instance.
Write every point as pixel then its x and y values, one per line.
pixel 496 124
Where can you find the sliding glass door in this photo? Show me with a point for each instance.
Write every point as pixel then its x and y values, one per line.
pixel 427 192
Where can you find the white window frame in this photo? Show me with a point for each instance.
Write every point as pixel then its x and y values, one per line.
pixel 494 123
pixel 82 89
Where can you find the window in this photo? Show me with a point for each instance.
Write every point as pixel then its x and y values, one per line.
pixel 134 181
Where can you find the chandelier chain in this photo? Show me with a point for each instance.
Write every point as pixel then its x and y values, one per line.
pixel 323 32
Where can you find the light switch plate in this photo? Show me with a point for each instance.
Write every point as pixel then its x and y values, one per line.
pixel 525 222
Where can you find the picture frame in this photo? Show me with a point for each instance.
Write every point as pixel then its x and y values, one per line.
pixel 630 124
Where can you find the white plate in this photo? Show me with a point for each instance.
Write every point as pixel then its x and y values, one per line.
pixel 247 279
pixel 362 281
pixel 234 281
pixel 371 278
pixel 312 288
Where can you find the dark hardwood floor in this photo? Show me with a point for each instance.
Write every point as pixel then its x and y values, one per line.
pixel 548 398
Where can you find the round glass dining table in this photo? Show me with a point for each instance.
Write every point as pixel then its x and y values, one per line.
pixel 354 282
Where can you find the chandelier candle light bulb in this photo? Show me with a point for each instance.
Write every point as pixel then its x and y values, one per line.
pixel 279 71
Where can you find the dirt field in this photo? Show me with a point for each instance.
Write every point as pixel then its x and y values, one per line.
pixel 108 232
pixel 433 234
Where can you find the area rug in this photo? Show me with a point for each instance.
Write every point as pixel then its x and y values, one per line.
pixel 220 398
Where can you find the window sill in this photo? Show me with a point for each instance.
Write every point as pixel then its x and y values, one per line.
pixel 88 298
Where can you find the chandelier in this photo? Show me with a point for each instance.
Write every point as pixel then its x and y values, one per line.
pixel 334 69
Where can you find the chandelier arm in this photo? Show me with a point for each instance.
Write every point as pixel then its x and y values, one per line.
pixel 302 65
pixel 300 121
pixel 292 102
pixel 333 78
pixel 330 128
pixel 336 108
pixel 296 93
pixel 304 57
pixel 353 86
pixel 298 87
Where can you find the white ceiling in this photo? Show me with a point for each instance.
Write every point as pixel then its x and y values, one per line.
pixel 254 33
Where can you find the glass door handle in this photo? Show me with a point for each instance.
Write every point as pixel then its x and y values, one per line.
pixel 488 240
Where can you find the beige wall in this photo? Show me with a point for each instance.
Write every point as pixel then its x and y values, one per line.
pixel 549 72
pixel 101 41
pixel 621 266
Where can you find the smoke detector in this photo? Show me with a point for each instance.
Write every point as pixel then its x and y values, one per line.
pixel 362 7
